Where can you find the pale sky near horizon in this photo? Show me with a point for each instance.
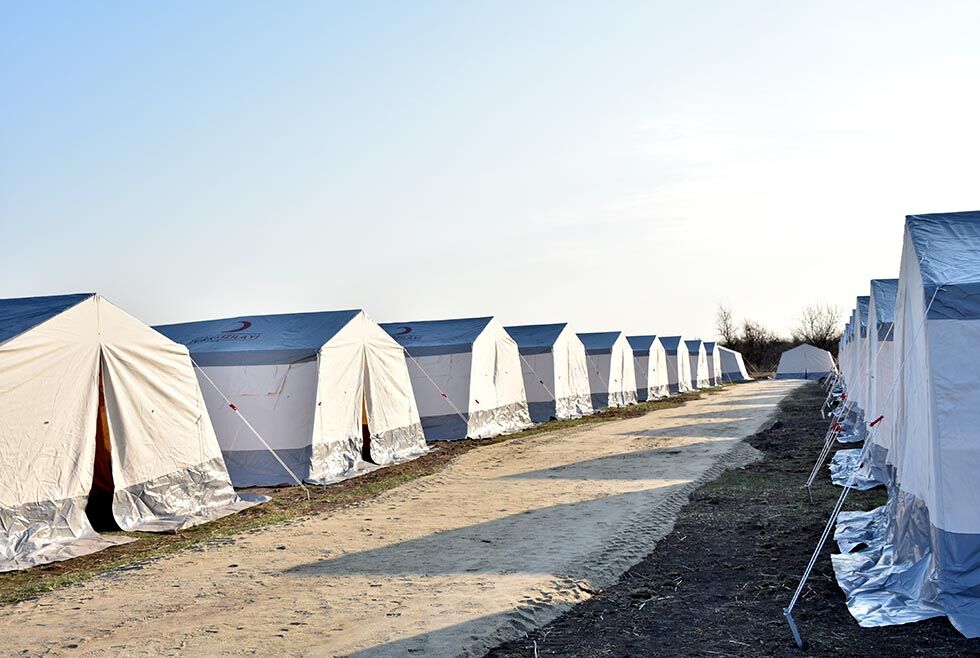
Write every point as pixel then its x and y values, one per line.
pixel 618 165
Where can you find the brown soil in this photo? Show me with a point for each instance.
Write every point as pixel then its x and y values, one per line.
pixel 717 585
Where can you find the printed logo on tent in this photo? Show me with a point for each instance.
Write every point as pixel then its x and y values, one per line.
pixel 234 334
pixel 402 334
pixel 245 325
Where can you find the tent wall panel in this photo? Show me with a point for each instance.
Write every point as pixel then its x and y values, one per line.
pixel 700 376
pixel 650 367
pixel 475 364
pixel 555 371
pixel 714 363
pixel 612 378
pixel 732 366
pixel 678 364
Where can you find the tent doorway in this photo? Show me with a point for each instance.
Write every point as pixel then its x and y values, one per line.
pixel 99 507
pixel 365 418
pixel 365 432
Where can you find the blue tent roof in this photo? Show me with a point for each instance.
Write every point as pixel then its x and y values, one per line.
pixel 536 338
pixel 24 313
pixel 862 311
pixel 597 342
pixel 258 339
pixel 426 337
pixel 641 344
pixel 946 245
pixel 709 347
pixel 670 343
pixel 884 292
pixel 693 346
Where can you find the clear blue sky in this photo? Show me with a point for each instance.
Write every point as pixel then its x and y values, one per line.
pixel 620 165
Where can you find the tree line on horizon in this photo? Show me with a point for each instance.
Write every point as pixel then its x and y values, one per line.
pixel 819 325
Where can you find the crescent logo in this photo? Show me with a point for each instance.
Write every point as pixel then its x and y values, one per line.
pixel 245 325
pixel 405 330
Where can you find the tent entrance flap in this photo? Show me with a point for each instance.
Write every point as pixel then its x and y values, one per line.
pixel 365 431
pixel 99 505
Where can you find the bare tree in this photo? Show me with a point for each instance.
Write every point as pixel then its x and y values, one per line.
pixel 725 325
pixel 819 324
pixel 761 346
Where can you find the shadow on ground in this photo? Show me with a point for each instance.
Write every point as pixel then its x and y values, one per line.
pixel 508 545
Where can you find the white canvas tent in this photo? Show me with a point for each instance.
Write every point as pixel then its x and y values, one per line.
pixel 611 374
pixel 466 375
pixel 328 391
pixel 678 364
pixel 881 366
pixel 732 366
pixel 805 362
pixel 99 413
pixel 922 556
pixel 853 364
pixel 650 364
pixel 714 363
pixel 844 353
pixel 700 375
pixel 556 374
pixel 858 388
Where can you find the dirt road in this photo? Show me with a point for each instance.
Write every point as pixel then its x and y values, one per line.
pixel 501 541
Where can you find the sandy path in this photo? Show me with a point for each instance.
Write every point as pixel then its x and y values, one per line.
pixel 500 541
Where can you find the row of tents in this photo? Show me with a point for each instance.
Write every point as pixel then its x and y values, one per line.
pixel 106 420
pixel 910 389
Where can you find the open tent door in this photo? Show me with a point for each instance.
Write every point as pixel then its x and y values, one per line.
pixel 99 506
pixel 365 431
